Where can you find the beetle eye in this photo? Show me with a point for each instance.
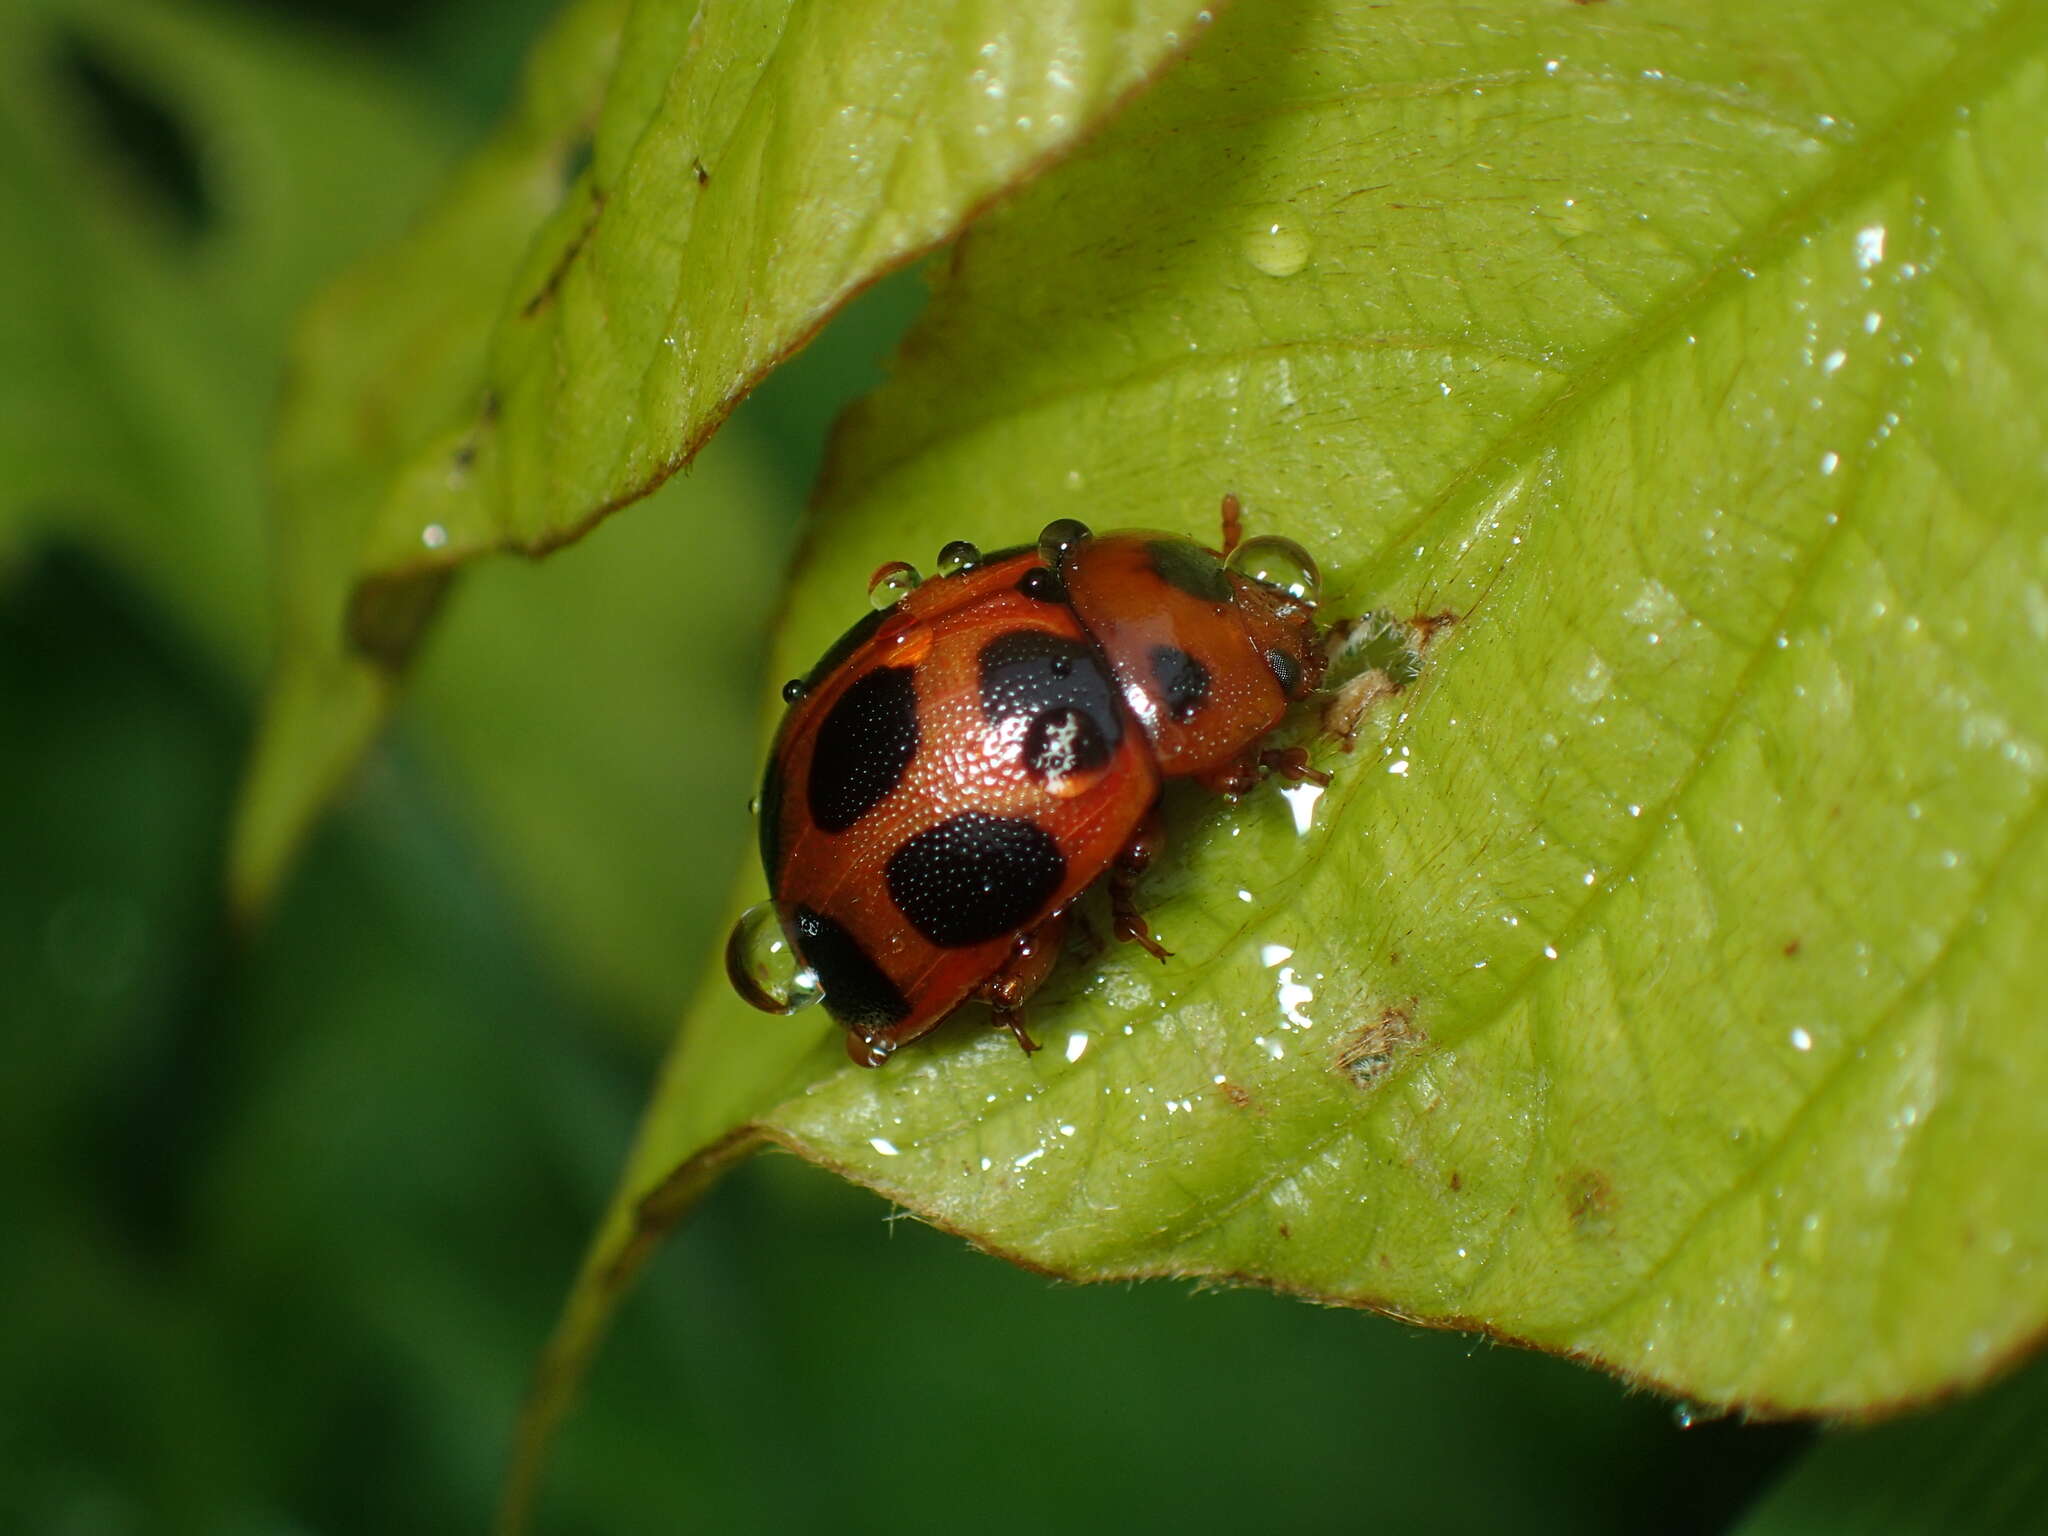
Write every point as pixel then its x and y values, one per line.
pixel 1279 563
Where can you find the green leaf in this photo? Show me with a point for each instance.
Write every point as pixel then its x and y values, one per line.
pixel 389 359
pixel 1655 984
pixel 562 336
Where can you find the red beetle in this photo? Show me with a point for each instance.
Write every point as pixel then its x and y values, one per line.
pixel 968 759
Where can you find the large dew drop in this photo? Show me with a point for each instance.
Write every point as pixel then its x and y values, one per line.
pixel 957 557
pixel 764 965
pixel 891 584
pixel 1276 249
pixel 1279 563
pixel 1059 537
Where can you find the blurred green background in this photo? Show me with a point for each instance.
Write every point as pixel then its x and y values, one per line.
pixel 289 1212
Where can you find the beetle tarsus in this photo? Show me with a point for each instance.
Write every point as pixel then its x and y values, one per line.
pixel 1031 961
pixel 1136 857
pixel 1233 522
pixel 1291 764
pixel 1012 1019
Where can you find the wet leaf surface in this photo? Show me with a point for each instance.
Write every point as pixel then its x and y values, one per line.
pixel 1652 985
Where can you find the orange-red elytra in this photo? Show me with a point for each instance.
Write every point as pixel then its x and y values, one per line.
pixel 986 745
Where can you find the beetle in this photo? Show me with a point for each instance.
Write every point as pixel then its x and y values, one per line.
pixel 983 747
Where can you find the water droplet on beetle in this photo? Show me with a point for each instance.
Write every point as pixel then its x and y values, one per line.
pixel 793 690
pixel 1279 563
pixel 869 1050
pixel 892 583
pixel 958 556
pixel 763 963
pixel 1060 537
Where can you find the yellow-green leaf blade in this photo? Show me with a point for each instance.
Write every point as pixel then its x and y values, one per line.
pixel 1655 982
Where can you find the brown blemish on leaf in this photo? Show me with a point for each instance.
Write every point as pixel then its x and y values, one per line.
pixel 1368 1053
pixel 1285 1230
pixel 1589 1202
pixel 1395 651
pixel 1791 948
pixel 1348 705
pixel 1241 1097
pixel 1427 624
pixel 1457 1181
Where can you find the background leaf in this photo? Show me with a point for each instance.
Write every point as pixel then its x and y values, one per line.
pixel 391 357
pixel 1687 895
pixel 636 248
pixel 181 178
pixel 1974 1469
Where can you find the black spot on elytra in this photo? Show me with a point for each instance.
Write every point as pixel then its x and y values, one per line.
pixel 1286 671
pixel 770 828
pixel 1183 681
pixel 1028 672
pixel 867 739
pixel 1042 584
pixel 1185 564
pixel 857 992
pixel 975 877
pixel 844 647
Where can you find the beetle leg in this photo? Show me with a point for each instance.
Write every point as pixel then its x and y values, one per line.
pixel 1291 763
pixel 1243 773
pixel 1233 522
pixel 1136 857
pixel 1234 779
pixel 1031 961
